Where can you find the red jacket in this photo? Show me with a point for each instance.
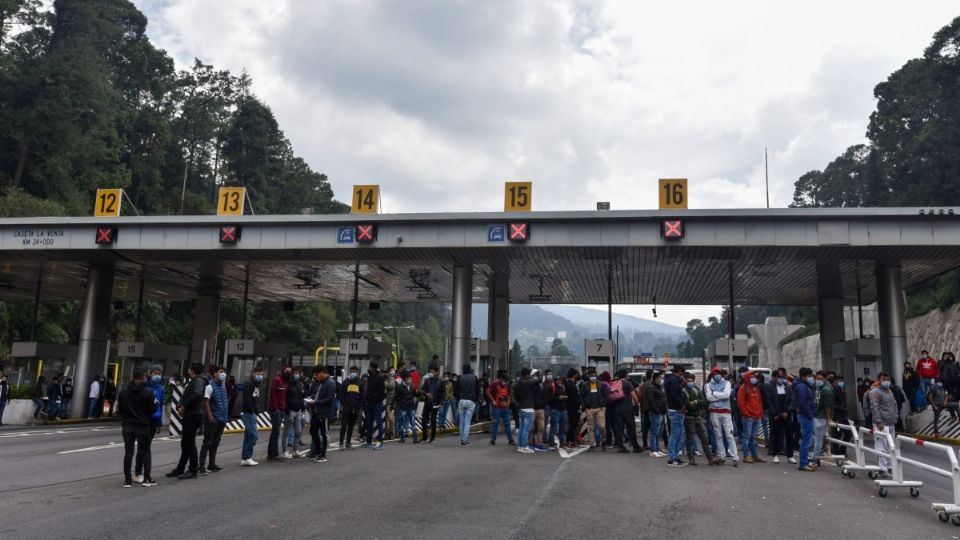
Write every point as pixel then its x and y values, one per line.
pixel 927 368
pixel 748 399
pixel 278 394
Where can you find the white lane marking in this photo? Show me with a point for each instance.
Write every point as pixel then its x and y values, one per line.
pixel 108 445
pixel 54 432
pixel 564 453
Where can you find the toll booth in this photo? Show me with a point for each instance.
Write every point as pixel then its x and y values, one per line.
pixel 242 355
pixel 361 351
pixel 484 357
pixel 856 358
pixel 718 353
pixel 31 359
pixel 138 354
pixel 600 353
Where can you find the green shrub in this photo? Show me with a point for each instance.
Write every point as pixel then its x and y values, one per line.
pixel 20 391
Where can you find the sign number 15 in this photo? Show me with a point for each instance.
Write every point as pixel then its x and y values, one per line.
pixel 518 197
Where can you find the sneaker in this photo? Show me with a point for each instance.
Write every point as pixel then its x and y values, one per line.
pixel 493 443
pixel 776 459
pixel 792 460
pixel 322 460
pixel 127 484
pixel 379 446
pixel 214 468
pixel 249 463
pixel 656 455
pixel 759 459
pixel 511 443
pixel 693 461
pixel 286 455
pixel 676 463
pixel 808 468
pixel 540 448
pixel 201 471
pixel 524 450
pixel 174 474
pixel 187 476
pixel 148 482
pixel 367 445
pixel 736 463
pixel 138 478
pixel 349 446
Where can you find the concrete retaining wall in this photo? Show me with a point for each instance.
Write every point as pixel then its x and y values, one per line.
pixel 18 412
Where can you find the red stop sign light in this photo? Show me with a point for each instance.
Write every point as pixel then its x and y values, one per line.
pixel 519 232
pixel 672 229
pixel 229 234
pixel 365 233
pixel 106 236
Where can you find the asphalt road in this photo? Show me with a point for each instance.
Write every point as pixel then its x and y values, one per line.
pixel 66 484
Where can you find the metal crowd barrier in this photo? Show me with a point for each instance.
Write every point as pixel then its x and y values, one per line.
pixel 945 511
pixel 896 466
pixel 859 463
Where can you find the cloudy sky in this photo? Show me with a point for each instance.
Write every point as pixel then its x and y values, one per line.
pixel 441 101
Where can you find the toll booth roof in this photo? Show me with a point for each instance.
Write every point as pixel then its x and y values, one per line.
pixel 774 255
pixel 36 349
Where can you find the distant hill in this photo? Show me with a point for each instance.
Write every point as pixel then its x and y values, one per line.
pixel 592 318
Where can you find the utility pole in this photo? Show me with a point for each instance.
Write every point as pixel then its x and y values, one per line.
pixel 766 175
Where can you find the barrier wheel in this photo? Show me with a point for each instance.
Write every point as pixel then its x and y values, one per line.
pixel 942 516
pixel 839 463
pixel 872 475
pixel 956 519
pixel 883 492
pixel 851 475
pixel 914 492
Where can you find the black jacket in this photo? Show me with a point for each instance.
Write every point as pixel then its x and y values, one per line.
pixel 523 392
pixel 4 392
pixel 136 404
pixel 53 391
pixel 539 397
pixel 672 388
pixel 192 400
pixel 434 386
pixel 468 387
pixel 596 399
pixel 351 393
pixel 325 395
pixel 251 393
pixel 295 396
pixel 406 397
pixel 573 395
pixel 656 399
pixel 775 404
pixel 376 391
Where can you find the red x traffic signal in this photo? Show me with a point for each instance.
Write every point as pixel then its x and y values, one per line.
pixel 672 229
pixel 229 234
pixel 365 234
pixel 106 236
pixel 519 232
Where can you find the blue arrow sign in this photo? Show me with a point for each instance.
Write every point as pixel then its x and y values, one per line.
pixel 496 233
pixel 345 234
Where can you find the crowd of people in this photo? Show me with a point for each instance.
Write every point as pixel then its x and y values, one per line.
pixel 720 418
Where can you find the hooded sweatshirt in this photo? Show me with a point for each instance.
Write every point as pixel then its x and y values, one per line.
pixel 883 406
pixel 749 399
pixel 718 394
pixel 136 404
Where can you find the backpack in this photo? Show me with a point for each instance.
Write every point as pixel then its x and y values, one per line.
pixel 616 391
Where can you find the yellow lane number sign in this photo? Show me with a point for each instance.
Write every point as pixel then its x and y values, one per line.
pixel 107 203
pixel 673 193
pixel 518 197
pixel 366 199
pixel 230 201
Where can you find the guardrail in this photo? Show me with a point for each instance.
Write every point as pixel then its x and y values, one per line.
pixel 945 511
pixel 848 468
pixel 896 465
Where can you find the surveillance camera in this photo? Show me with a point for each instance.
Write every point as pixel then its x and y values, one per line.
pixel 399 238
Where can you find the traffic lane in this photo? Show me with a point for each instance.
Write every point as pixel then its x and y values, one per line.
pixel 80 455
pixel 637 493
pixel 403 491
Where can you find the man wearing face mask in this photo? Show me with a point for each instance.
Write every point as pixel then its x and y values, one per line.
pixel 293 423
pixel 155 384
pixel 277 407
pixel 751 414
pixel 840 415
pixel 824 399
pixel 434 389
pixel 883 412
pixel 373 409
pixel 806 411
pixel 215 405
pixel 911 383
pixel 351 399
pixel 718 396
pixel 937 398
pixel 390 391
pixel 449 403
pixel 250 409
pixel 695 425
pixel 593 393
pixel 191 411
pixel 779 409
pixel 499 396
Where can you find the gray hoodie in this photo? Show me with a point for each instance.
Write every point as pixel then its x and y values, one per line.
pixel 883 406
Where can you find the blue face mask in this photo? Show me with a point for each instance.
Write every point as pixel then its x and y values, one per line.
pixel 155 378
pixel 223 376
pixel 840 385
pixel 819 384
pixel 258 378
pixel 781 382
pixel 296 377
pixel 810 380
pixel 885 384
pixel 753 380
pixel 690 385
pixel 717 378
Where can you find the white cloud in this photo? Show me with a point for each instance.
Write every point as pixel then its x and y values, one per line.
pixel 441 101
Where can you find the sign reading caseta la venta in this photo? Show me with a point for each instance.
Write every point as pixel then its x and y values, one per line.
pixel 36 238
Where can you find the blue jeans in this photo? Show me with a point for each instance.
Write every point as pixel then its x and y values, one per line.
pixel 819 432
pixel 558 421
pixel 678 437
pixel 3 405
pixel 374 415
pixel 452 406
pixel 408 420
pixel 465 409
pixel 806 436
pixel 92 408
pixel 40 406
pixel 526 422
pixel 496 416
pixel 54 409
pixel 250 435
pixel 748 440
pixel 65 408
pixel 656 428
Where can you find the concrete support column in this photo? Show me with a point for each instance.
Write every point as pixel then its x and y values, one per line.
pixel 94 330
pixel 830 311
pixel 462 305
pixel 893 323
pixel 206 326
pixel 832 330
pixel 498 319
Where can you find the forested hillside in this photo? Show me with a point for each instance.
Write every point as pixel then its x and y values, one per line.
pixel 86 102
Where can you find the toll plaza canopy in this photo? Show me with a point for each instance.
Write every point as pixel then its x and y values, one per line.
pixel 775 255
